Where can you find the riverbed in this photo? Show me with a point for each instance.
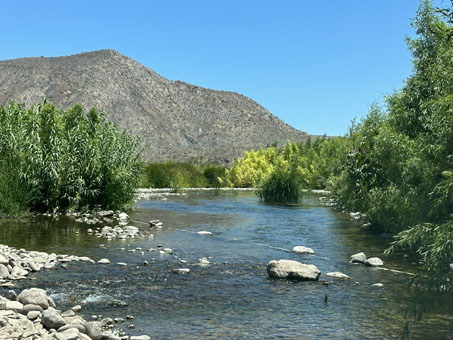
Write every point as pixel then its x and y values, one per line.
pixel 231 296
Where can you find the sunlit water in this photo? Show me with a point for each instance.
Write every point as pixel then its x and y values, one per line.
pixel 231 297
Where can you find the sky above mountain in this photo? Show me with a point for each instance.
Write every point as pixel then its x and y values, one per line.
pixel 314 64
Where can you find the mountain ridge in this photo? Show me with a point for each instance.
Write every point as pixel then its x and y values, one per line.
pixel 176 120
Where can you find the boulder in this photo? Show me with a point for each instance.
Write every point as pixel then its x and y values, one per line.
pixel 35 296
pixel 4 272
pixel 338 275
pixel 358 258
pixel 303 250
pixel 50 318
pixel 292 270
pixel 93 330
pixel 374 262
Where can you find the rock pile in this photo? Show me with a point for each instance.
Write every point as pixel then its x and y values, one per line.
pixel 16 264
pixel 33 315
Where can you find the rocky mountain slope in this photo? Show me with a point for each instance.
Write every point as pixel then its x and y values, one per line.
pixel 176 120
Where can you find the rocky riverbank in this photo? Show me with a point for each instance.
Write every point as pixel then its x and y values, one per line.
pixel 32 315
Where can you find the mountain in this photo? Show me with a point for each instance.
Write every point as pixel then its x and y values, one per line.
pixel 176 121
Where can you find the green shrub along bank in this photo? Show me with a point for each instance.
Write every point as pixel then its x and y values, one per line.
pixel 183 175
pixel 61 160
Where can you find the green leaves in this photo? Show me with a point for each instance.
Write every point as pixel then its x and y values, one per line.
pixel 67 160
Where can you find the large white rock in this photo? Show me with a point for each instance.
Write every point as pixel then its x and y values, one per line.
pixel 358 258
pixel 293 270
pixel 303 250
pixel 374 262
pixel 35 296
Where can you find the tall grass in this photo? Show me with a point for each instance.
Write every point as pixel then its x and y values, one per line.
pixel 282 186
pixel 59 160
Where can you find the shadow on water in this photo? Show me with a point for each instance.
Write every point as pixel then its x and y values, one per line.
pixel 231 297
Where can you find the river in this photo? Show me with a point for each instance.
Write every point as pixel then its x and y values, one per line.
pixel 231 297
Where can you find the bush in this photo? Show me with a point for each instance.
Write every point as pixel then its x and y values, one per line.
pixel 282 186
pixel 59 160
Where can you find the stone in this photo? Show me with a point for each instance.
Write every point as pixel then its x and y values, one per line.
pixel 303 250
pixel 4 272
pixel 12 295
pixel 34 267
pixel 104 261
pixel 3 260
pixel 33 315
pixel 181 270
pixel 374 262
pixel 123 264
pixel 292 270
pixel 106 322
pixel 35 296
pixel 77 308
pixel 80 328
pixel 358 258
pixel 19 271
pixel 123 216
pixel 378 285
pixel 15 306
pixel 68 313
pixel 140 337
pixel 50 318
pixel 93 330
pixel 31 308
pixel 338 275
pixel 203 232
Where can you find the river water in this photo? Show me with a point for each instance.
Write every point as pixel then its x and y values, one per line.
pixel 231 298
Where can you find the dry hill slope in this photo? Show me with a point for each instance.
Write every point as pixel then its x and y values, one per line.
pixel 176 120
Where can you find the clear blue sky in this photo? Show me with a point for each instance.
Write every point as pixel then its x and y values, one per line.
pixel 314 64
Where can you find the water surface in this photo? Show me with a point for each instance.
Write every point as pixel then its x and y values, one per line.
pixel 231 297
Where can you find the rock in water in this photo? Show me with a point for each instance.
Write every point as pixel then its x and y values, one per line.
pixel 303 250
pixel 204 232
pixel 338 275
pixel 358 258
pixel 35 296
pixel 104 261
pixel 292 270
pixel 374 262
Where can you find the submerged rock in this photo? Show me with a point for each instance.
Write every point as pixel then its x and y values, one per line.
pixel 292 270
pixel 303 250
